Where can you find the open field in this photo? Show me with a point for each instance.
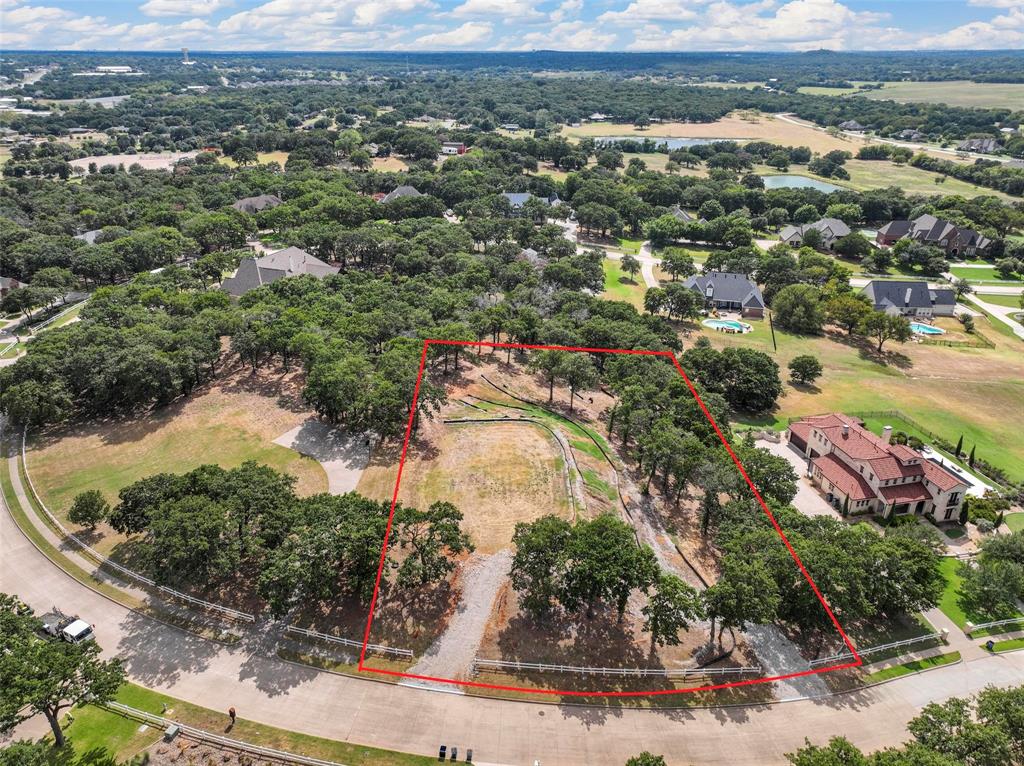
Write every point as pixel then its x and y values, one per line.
pixel 983 275
pixel 618 286
pixel 1010 301
pixel 262 158
pixel 952 92
pixel 763 127
pixel 971 391
pixel 232 420
pixel 497 474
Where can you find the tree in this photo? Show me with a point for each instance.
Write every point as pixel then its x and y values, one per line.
pixel 646 759
pixel 631 266
pixel 678 263
pixel 434 538
pixel 745 592
pixel 549 363
pixel 46 675
pixel 578 374
pixel 970 458
pixel 959 446
pixel 670 609
pixel 838 752
pixel 799 308
pixel 537 564
pixel 885 327
pixel 805 368
pixel 847 310
pixel 89 508
pixel 949 728
pixel 655 300
pixel 854 245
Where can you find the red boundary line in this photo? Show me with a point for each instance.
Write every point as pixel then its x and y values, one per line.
pixel 641 352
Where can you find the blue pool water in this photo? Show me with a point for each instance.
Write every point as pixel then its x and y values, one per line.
pixel 926 329
pixel 727 324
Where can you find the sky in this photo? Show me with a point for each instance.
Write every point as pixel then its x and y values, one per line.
pixel 509 25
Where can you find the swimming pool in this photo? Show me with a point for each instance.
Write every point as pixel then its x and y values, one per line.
pixel 926 329
pixel 727 325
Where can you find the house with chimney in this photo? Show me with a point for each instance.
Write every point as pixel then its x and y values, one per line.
pixel 859 472
pixel 831 230
pixel 725 291
pixel 950 238
pixel 910 297
pixel 290 262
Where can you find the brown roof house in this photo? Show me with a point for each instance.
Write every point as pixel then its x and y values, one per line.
pixel 952 239
pixel 290 262
pixel 860 472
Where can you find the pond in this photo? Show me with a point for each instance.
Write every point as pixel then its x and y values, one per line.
pixel 798 182
pixel 670 143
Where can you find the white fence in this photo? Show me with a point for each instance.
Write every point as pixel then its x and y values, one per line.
pixel 102 560
pixel 835 659
pixel 348 642
pixel 216 739
pixel 970 628
pixel 482 664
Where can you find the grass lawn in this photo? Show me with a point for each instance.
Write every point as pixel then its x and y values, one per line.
pixel 619 287
pixel 1015 521
pixel 952 92
pixel 630 246
pixel 984 274
pixel 234 420
pixel 912 667
pixel 995 323
pixel 95 727
pixel 1007 646
pixel 971 391
pixel 950 601
pixel 1010 301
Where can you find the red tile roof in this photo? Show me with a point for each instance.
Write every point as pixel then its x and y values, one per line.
pixel 941 477
pixel 846 480
pixel 905 493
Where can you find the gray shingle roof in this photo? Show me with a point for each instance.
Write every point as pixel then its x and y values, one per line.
pixel 727 287
pixel 401 191
pixel 905 293
pixel 252 205
pixel 290 262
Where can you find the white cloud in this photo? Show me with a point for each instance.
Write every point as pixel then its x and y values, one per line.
pixel 566 9
pixel 997 3
pixel 507 9
pixel 796 25
pixel 567 36
pixel 653 10
pixel 182 7
pixel 1004 31
pixel 470 33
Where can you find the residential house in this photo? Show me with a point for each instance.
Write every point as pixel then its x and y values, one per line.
pixel 860 472
pixel 911 298
pixel 831 229
pixel 681 215
pixel 911 135
pixel 852 125
pixel 7 284
pixel 290 262
pixel 979 145
pixel 253 205
pixel 401 191
pixel 728 292
pixel 517 200
pixel 952 239
pixel 453 147
pixel 598 117
pixel 509 126
pixel 89 237
pixel 532 257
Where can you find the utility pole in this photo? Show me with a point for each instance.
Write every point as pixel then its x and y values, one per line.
pixel 771 325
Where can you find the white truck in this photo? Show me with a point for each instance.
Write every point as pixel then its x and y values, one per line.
pixel 66 628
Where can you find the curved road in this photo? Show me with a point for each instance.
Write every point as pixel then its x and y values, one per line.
pixel 264 688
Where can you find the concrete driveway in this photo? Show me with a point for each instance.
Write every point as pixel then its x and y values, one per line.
pixel 808 499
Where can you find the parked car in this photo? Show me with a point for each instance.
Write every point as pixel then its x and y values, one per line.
pixel 67 628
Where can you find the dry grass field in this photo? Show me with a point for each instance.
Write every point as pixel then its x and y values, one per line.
pixel 497 474
pixel 234 419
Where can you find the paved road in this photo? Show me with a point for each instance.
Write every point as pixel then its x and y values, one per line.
pixel 269 690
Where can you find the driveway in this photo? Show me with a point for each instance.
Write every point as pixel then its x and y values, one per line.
pixel 808 500
pixel 343 456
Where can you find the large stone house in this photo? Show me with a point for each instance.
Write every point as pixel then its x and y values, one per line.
pixel 952 239
pixel 728 292
pixel 832 229
pixel 913 298
pixel 864 473
pixel 290 262
pixel 253 205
